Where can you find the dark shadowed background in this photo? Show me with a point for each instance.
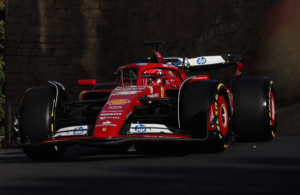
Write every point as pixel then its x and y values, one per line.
pixel 67 40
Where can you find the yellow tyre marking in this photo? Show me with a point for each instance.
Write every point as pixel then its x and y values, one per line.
pixel 56 148
pixel 52 128
pixel 273 134
pixel 220 85
pixel 53 108
pixel 220 136
pixel 226 145
pixel 271 82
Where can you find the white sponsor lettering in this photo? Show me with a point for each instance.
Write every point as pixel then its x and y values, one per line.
pixel 149 128
pixel 108 117
pixel 72 131
pixel 114 111
pixel 111 114
pixel 125 93
pixel 154 95
pixel 114 125
pixel 106 123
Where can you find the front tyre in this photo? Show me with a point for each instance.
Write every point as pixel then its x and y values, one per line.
pixel 205 111
pixel 37 123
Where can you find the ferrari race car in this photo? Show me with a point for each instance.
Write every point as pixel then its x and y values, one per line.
pixel 152 102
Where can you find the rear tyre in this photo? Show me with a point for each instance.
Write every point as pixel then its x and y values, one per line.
pixel 36 122
pixel 255 117
pixel 204 108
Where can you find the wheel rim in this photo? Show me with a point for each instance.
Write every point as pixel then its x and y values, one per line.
pixel 272 109
pixel 223 116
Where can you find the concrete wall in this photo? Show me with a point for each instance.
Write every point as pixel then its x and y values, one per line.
pixel 67 40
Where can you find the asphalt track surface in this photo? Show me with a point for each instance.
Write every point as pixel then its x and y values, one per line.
pixel 244 168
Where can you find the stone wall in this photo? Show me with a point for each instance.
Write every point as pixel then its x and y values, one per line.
pixel 67 40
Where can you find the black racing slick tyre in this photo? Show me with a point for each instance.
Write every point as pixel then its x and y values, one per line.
pixel 205 111
pixel 255 116
pixel 36 123
pixel 36 114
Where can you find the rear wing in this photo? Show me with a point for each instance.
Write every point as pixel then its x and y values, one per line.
pixel 205 62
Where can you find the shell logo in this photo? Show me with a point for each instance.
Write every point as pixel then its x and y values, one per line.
pixel 118 102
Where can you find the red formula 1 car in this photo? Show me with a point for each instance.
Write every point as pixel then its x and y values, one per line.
pixel 152 101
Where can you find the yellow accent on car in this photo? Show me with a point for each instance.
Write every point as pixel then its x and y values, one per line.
pixel 162 92
pixel 104 129
pixel 151 89
pixel 53 108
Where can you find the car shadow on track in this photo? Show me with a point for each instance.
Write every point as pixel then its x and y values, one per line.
pixel 84 154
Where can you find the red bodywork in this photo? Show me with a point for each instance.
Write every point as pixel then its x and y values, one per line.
pixel 124 98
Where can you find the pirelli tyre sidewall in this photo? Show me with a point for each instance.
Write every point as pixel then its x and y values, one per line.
pixel 195 104
pixel 255 115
